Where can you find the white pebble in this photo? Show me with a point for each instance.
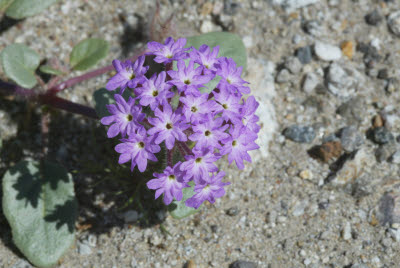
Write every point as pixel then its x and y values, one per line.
pixel 327 52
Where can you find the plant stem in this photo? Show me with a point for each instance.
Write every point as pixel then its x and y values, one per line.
pixel 169 156
pixel 186 148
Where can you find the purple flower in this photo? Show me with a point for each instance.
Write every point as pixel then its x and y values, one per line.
pixel 137 148
pixel 168 126
pixel 206 58
pixel 198 166
pixel 209 190
pixel 249 119
pixel 237 146
pixel 195 108
pixel 168 183
pixel 187 79
pixel 168 52
pixel 125 117
pixel 128 74
pixel 154 91
pixel 229 105
pixel 209 133
pixel 231 79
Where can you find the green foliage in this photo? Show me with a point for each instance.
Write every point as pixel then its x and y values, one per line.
pixel 87 53
pixel 178 209
pixel 19 9
pixel 19 63
pixel 47 69
pixel 231 46
pixel 40 205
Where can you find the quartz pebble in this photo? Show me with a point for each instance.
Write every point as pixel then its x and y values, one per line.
pixel 311 81
pixel 394 23
pixel 293 64
pixel 283 76
pixel 327 52
pixel 301 134
pixel 346 233
pixel 242 264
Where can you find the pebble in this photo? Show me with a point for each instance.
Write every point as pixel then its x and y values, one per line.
pixel 242 264
pixel 392 85
pixel 84 249
pixel 373 18
pixel 293 64
pixel 327 52
pixel 351 139
pixel 371 54
pixel 306 174
pixel 299 208
pixel 388 209
pixel 340 81
pixel 311 81
pixel 382 135
pixel 385 151
pixel 347 49
pixel 233 211
pixel 22 264
pixel 327 151
pixel 394 23
pixel 231 7
pixel 304 54
pixel 377 121
pixel 395 158
pixel 131 216
pixel 283 76
pixel 301 134
pixel 190 264
pixel 206 26
pixel 383 73
pixel 395 234
pixel 313 28
pixel 346 233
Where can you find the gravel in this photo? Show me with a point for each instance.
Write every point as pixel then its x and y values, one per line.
pixel 394 23
pixel 302 134
pixel 327 52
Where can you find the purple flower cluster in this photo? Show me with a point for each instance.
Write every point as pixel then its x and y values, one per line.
pixel 201 126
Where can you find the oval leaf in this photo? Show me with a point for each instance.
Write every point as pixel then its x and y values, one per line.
pixel 40 205
pixel 87 53
pixel 50 70
pixel 231 46
pixel 178 209
pixel 4 4
pixel 20 9
pixel 19 63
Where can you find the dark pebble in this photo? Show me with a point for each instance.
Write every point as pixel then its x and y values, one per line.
pixel 373 18
pixel 304 54
pixel 383 74
pixel 398 139
pixel 382 135
pixel 327 151
pixel 352 110
pixel 214 228
pixel 384 152
pixel 243 264
pixel 231 7
pixel 233 211
pixel 351 139
pixel 371 54
pixel 388 212
pixel 323 205
pixel 302 134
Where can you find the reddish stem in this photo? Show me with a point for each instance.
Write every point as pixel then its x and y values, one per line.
pixel 186 148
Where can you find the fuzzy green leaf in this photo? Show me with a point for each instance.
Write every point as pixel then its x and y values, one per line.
pixel 20 9
pixel 47 69
pixel 40 206
pixel 178 209
pixel 231 46
pixel 87 53
pixel 4 4
pixel 19 63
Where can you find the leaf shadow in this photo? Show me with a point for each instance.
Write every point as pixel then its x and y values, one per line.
pixel 27 185
pixel 132 34
pixel 6 23
pixel 64 214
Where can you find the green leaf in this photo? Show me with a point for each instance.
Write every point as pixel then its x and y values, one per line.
pixel 87 53
pixel 47 69
pixel 102 97
pixel 4 4
pixel 40 205
pixel 20 9
pixel 19 63
pixel 178 209
pixel 231 46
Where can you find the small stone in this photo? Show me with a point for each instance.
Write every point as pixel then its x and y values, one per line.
pixel 301 134
pixel 392 85
pixel 382 135
pixel 231 7
pixel 206 9
pixel 377 121
pixel 352 110
pixel 342 81
pixel 351 139
pixel 304 54
pixel 383 73
pixel 92 240
pixel 22 264
pixel 394 23
pixel 293 64
pixel 242 264
pixel 395 233
pixel 190 264
pixel 327 151
pixel 388 209
pixel 327 52
pixel 346 233
pixel 373 18
pixel 233 211
pixel 131 216
pixel 306 174
pixel 347 49
pixel 84 249
pixel 313 28
pixel 214 228
pixel 395 158
pixel 283 76
pixel 206 26
pixel 384 152
pixel 371 54
pixel 311 81
pixel 299 208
